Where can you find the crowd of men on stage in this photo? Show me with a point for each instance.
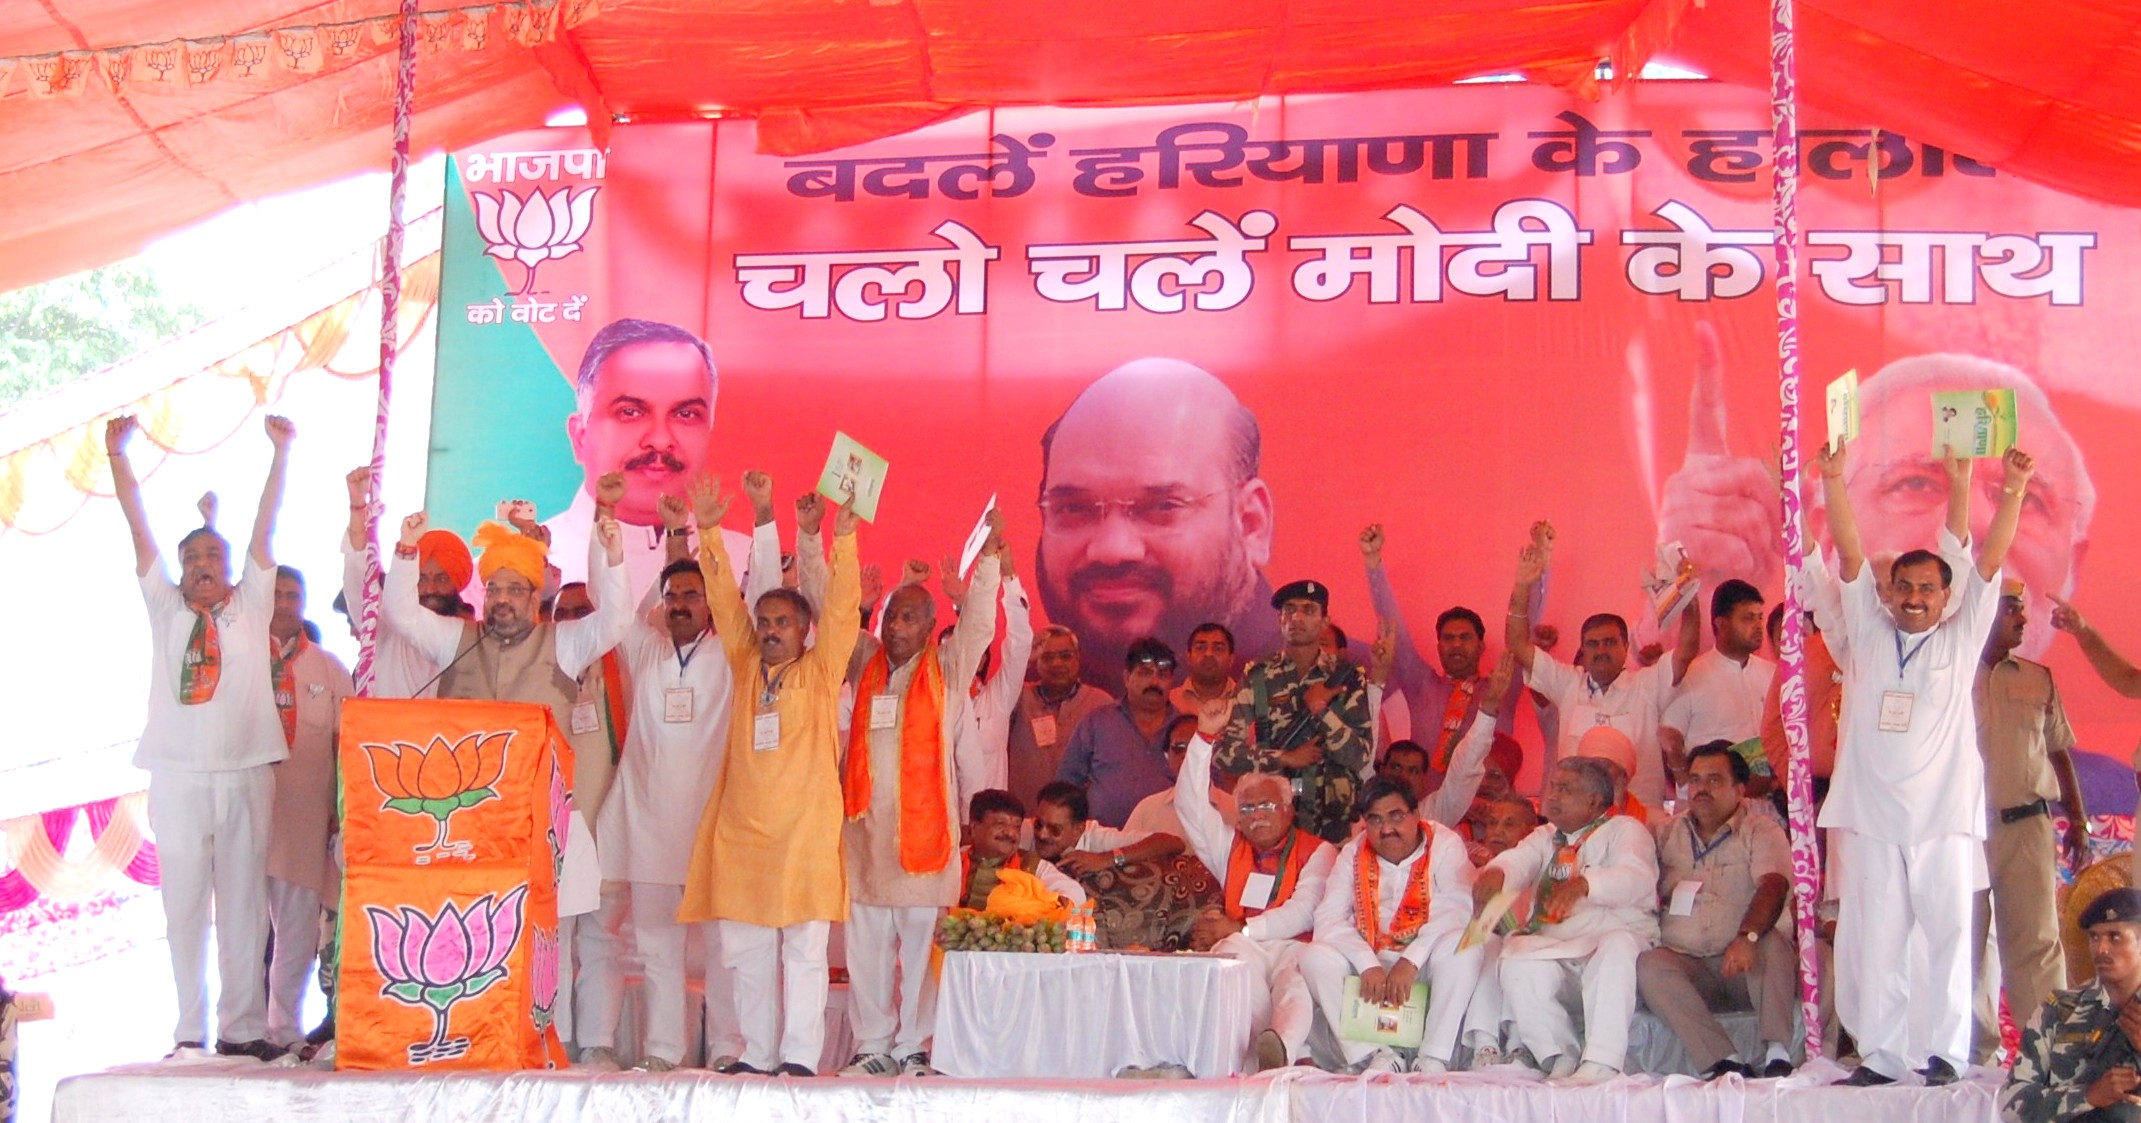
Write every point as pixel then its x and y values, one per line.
pixel 769 744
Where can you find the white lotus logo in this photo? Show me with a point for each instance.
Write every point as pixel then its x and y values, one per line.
pixel 534 230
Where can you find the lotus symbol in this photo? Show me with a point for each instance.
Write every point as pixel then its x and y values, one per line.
pixel 534 230
pixel 437 960
pixel 439 779
pixel 544 964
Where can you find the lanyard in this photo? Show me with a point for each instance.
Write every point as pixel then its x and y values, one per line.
pixel 683 660
pixel 1903 661
pixel 1696 847
pixel 771 687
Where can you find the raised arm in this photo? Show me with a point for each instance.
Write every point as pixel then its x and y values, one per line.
pixel 2018 467
pixel 127 490
pixel 840 625
pixel 763 568
pixel 1408 670
pixel 1689 644
pixel 438 637
pixel 2118 672
pixel 976 628
pixel 1843 525
pixel 1209 836
pixel 812 577
pixel 262 547
pixel 724 601
pixel 1532 563
pixel 582 641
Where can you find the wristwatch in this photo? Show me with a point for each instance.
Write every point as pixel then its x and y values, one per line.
pixel 1751 937
pixel 1118 858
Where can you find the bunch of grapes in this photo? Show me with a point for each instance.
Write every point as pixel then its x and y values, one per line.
pixel 971 931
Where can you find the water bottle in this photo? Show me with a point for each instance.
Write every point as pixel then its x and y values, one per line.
pixel 1083 934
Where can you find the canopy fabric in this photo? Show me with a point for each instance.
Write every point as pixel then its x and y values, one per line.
pixel 2051 92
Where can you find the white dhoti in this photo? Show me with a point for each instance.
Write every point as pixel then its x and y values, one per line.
pixel 294 915
pixel 212 843
pixel 893 996
pixel 779 975
pixel 1283 1004
pixel 1450 976
pixel 1547 983
pixel 1887 895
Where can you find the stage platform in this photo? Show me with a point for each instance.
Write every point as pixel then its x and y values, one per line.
pixel 227 1092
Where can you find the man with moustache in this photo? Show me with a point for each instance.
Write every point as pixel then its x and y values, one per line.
pixel 1720 698
pixel 444 567
pixel 209 746
pixel 1906 807
pixel 1065 833
pixel 2027 746
pixel 1156 814
pixel 1442 703
pixel 646 392
pixel 1117 755
pixel 1593 879
pixel 1392 912
pixel 1209 669
pixel 993 821
pixel 1304 713
pixel 1050 710
pixel 1153 516
pixel 2081 1051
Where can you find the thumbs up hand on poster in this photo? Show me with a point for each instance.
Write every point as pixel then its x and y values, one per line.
pixel 1722 508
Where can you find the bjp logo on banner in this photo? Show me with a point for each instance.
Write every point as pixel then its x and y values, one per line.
pixel 438 779
pixel 435 961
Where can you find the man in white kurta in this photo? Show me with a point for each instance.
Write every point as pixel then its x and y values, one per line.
pixel 1272 876
pixel 986 734
pixel 901 841
pixel 1421 894
pixel 209 745
pixel 309 684
pixel 1721 696
pixel 1594 881
pixel 1907 802
pixel 444 569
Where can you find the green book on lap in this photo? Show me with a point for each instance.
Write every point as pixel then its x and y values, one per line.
pixel 1400 1027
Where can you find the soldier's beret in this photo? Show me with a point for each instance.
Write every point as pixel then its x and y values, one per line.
pixel 1303 590
pixel 2113 906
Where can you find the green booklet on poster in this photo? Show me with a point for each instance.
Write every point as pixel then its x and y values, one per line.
pixel 1400 1027
pixel 1973 423
pixel 853 472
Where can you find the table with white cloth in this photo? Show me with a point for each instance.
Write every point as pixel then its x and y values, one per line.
pixel 1008 1014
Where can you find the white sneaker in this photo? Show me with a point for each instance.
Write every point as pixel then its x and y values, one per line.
pixel 916 1064
pixel 1590 1072
pixel 871 1064
pixel 1430 1066
pixel 600 1058
pixel 1383 1060
pixel 1487 1056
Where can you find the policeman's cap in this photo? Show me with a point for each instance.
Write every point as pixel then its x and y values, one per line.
pixel 2113 906
pixel 1304 590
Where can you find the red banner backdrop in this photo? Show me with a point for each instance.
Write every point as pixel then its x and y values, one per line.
pixel 1451 312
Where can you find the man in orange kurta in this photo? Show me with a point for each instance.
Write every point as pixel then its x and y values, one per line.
pixel 766 863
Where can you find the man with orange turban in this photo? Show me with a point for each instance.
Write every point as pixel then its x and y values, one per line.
pixel 513 656
pixel 444 567
pixel 902 807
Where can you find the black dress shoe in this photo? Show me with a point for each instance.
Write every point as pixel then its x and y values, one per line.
pixel 793 1069
pixel 1863 1077
pixel 1938 1073
pixel 738 1068
pixel 1777 1069
pixel 259 1050
pixel 1728 1067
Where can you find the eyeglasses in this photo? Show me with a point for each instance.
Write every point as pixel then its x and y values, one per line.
pixel 1164 666
pixel 516 589
pixel 1073 512
pixel 1268 807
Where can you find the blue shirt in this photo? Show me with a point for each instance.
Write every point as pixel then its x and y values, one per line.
pixel 1116 763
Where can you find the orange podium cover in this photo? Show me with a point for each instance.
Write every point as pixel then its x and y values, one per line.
pixel 454 821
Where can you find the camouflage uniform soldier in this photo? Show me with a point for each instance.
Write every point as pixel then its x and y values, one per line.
pixel 1303 713
pixel 2081 1052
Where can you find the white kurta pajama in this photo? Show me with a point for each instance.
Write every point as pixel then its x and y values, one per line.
pixel 1340 951
pixel 300 868
pixel 1586 964
pixel 211 795
pixel 892 914
pixel 1908 809
pixel 1271 938
pixel 400 669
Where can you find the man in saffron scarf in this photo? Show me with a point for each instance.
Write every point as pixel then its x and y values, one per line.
pixel 1273 877
pixel 1594 876
pixel 1394 911
pixel 901 836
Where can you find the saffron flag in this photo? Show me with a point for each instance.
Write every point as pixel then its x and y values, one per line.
pixel 454 821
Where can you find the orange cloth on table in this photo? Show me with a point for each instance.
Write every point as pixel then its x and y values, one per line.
pixel 506 548
pixel 925 822
pixel 445 549
pixel 1021 898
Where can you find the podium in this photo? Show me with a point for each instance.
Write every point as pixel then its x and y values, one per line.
pixel 454 825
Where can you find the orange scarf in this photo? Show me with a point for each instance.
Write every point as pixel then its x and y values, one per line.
pixel 1568 859
pixel 1412 907
pixel 285 679
pixel 1453 718
pixel 1241 862
pixel 925 835
pixel 1633 808
pixel 202 666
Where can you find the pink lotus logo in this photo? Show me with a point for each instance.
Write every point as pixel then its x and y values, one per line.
pixel 438 961
pixel 439 779
pixel 560 831
pixel 543 967
pixel 535 230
